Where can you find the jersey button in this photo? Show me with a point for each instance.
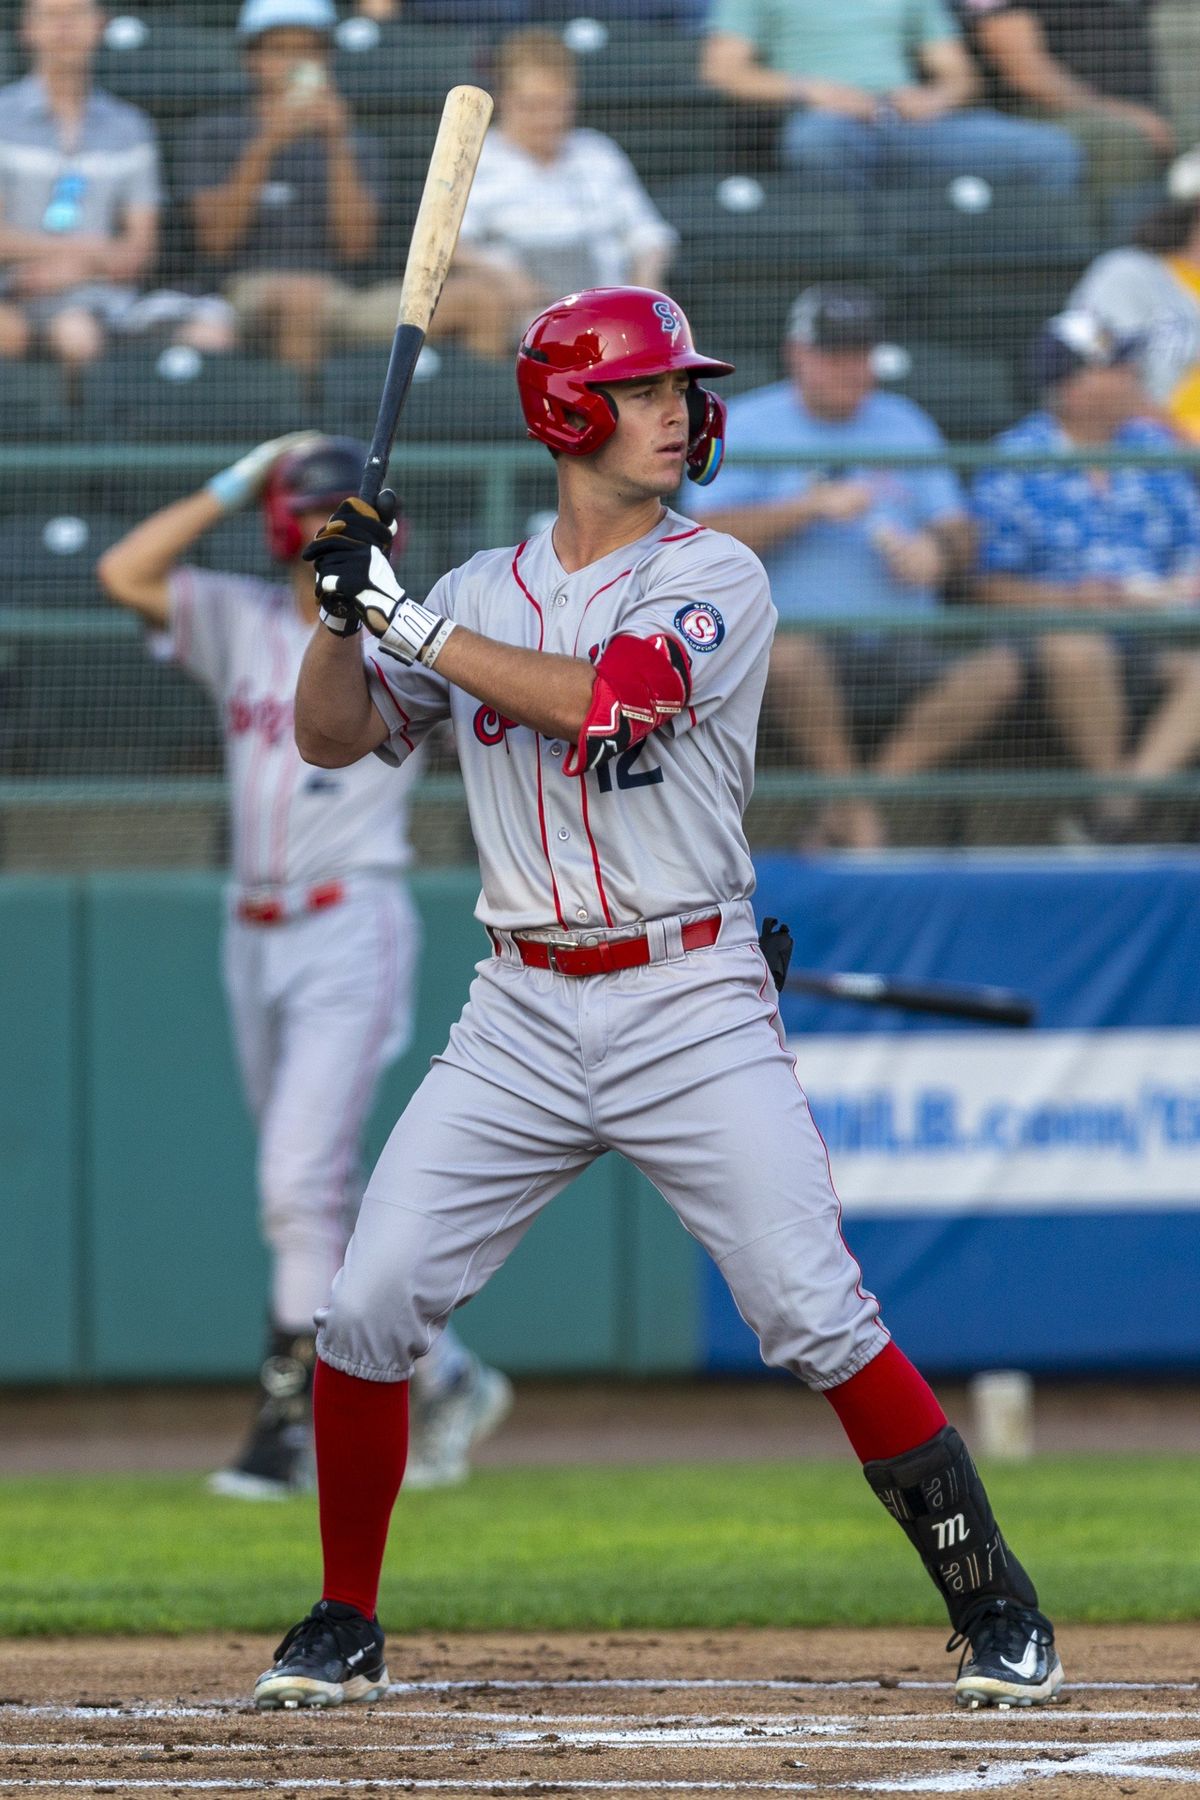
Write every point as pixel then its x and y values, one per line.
pixel 582 915
pixel 560 599
pixel 556 749
pixel 563 833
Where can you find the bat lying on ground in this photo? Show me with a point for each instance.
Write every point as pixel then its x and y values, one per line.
pixel 451 171
pixel 989 1005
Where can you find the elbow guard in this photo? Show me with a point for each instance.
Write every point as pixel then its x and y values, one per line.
pixel 640 684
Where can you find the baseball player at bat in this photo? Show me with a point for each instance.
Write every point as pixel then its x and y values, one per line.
pixel 604 679
pixel 320 940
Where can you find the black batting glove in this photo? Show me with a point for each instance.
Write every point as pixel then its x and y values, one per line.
pixel 341 555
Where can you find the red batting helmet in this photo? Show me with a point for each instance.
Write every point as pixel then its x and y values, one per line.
pixel 320 473
pixel 582 342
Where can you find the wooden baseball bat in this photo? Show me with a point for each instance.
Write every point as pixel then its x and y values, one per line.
pixel 448 181
pixel 988 1005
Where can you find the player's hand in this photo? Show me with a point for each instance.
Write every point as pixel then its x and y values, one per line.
pixel 355 583
pixel 245 479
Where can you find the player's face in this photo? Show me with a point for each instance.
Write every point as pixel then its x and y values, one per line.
pixel 646 453
pixel 833 383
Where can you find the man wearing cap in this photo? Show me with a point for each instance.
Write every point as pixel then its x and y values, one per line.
pixel 1104 540
pixel 848 539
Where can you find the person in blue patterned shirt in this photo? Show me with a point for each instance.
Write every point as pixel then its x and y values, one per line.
pixel 1101 539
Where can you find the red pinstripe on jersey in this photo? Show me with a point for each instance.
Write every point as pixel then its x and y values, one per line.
pixel 537 738
pixel 288 776
pixel 596 596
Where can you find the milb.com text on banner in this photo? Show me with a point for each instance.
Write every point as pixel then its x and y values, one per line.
pixel 1059 1119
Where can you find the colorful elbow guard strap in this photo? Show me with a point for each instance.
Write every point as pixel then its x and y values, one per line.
pixel 640 684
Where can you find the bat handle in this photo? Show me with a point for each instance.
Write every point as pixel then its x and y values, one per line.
pixel 406 347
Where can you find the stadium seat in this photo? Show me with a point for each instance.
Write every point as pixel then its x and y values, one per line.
pixel 56 552
pixel 970 395
pixel 34 401
pixel 140 392
pixel 169 68
pixel 455 397
pixel 737 226
pixel 398 65
pixel 623 64
pixel 969 220
pixel 104 707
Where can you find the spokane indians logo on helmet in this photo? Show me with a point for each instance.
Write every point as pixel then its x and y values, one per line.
pixel 701 624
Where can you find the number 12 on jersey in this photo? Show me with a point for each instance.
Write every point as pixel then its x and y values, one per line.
pixel 627 775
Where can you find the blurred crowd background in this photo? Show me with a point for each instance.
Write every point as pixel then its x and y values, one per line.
pixel 952 246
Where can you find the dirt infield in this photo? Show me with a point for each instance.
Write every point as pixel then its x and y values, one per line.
pixel 804 1712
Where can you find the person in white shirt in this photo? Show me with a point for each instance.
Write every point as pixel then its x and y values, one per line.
pixel 554 208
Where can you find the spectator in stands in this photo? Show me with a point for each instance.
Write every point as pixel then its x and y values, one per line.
pixel 1109 540
pixel 79 193
pixel 850 539
pixel 286 196
pixel 1086 64
pixel 1150 291
pixel 844 69
pixel 553 208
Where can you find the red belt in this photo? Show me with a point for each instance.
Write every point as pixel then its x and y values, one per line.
pixel 276 911
pixel 607 956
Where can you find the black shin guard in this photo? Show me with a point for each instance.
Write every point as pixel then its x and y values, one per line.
pixel 936 1497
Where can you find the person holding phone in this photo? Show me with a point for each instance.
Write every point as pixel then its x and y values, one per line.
pixel 285 194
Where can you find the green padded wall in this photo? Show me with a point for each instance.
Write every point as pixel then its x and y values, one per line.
pixel 178 1274
pixel 40 1202
pixel 132 1250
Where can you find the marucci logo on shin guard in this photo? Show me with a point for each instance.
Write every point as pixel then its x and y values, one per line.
pixel 950 1531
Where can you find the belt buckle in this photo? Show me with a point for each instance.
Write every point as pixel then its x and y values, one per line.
pixel 552 959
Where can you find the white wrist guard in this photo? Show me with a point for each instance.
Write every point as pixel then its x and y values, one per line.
pixel 405 629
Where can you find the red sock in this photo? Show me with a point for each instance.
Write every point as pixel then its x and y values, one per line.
pixel 361 1431
pixel 887 1408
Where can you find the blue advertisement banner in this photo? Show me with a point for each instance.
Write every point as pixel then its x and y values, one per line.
pixel 1027 1198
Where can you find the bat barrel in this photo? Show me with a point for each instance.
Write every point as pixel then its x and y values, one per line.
pixel 985 1005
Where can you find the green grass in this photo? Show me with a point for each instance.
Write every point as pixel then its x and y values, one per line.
pixel 761 1544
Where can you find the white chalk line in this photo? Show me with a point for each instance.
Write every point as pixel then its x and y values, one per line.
pixel 978 1780
pixel 650 1684
pixel 718 1737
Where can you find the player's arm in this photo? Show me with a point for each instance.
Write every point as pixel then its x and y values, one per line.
pixel 136 571
pixel 356 585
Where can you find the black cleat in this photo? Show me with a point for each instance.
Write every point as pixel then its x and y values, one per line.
pixel 1013 1659
pixel 332 1658
pixel 277 1458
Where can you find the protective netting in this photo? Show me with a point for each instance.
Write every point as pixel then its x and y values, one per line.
pixel 967 654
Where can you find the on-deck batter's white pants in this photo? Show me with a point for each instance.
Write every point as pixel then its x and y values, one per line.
pixel 320 1005
pixel 681 1066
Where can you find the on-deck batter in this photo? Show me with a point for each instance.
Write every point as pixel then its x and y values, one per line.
pixel 320 941
pixel 605 681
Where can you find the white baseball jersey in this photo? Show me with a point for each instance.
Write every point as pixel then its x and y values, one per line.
pixel 292 824
pixel 654 832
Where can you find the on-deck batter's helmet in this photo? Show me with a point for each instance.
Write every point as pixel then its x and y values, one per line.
pixel 584 341
pixel 320 473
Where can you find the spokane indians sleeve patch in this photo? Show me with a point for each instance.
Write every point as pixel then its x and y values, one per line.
pixel 700 625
